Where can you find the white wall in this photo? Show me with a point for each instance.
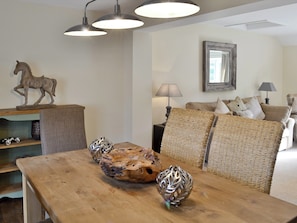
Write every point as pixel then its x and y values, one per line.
pixel 290 70
pixel 177 57
pixel 142 85
pixel 116 76
pixel 94 72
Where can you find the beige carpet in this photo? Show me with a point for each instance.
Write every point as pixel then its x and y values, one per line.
pixel 284 182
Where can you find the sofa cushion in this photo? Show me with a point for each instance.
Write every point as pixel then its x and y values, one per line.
pixel 254 106
pixel 221 107
pixel 246 100
pixel 237 105
pixel 203 106
pixel 247 107
pixel 276 113
pixel 246 113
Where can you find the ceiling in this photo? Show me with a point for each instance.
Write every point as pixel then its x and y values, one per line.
pixel 128 6
pixel 279 21
pixel 272 17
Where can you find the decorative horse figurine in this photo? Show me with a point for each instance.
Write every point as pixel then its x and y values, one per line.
pixel 29 81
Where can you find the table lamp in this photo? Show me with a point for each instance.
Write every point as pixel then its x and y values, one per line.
pixel 267 86
pixel 168 90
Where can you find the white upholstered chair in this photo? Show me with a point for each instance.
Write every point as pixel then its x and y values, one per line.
pixel 292 101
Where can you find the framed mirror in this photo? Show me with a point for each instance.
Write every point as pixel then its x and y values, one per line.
pixel 219 66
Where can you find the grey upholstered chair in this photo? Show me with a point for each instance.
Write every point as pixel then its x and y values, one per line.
pixel 62 129
pixel 186 135
pixel 245 150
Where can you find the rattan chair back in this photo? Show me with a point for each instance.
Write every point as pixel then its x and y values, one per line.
pixel 245 150
pixel 186 134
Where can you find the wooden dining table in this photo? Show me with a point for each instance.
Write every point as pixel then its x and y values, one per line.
pixel 72 188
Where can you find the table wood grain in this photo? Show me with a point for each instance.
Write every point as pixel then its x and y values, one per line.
pixel 73 188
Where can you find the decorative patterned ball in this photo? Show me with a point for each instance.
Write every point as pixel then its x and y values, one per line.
pixel 100 146
pixel 174 184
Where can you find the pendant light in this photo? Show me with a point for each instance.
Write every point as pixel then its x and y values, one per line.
pixel 118 20
pixel 84 29
pixel 167 8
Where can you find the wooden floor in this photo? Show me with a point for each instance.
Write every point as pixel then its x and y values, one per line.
pixel 11 210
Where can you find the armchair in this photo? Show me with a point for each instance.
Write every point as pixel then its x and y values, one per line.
pixel 292 101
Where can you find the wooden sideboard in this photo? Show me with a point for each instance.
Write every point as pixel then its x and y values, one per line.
pixel 16 123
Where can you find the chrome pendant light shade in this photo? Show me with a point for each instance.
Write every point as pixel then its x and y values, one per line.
pixel 167 8
pixel 84 29
pixel 118 20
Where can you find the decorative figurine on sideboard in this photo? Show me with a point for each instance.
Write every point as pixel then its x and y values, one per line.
pixel 45 84
pixel 7 141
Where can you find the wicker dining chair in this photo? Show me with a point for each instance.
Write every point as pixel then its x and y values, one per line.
pixel 186 135
pixel 62 129
pixel 245 150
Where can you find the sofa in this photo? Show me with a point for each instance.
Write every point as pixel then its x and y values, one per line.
pixel 253 107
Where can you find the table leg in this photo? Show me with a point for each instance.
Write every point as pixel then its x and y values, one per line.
pixel 32 209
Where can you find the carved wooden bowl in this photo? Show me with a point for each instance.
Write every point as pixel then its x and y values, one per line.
pixel 135 164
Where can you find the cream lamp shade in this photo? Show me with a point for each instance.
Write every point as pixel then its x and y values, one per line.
pixel 168 90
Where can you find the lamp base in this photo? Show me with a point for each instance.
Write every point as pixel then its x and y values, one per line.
pixel 267 101
pixel 168 109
